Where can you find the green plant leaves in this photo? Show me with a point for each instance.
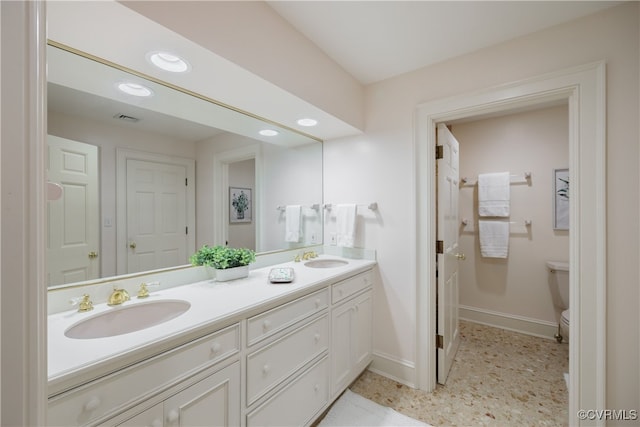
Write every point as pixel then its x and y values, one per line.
pixel 222 257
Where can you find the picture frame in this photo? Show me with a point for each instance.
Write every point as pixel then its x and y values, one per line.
pixel 561 199
pixel 240 205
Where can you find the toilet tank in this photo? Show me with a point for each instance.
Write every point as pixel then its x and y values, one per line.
pixel 559 277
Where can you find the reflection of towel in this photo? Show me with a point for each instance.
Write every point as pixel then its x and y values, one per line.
pixel 494 238
pixel 346 225
pixel 493 194
pixel 292 223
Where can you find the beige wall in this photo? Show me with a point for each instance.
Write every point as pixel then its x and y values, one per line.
pixel 385 172
pixel 535 142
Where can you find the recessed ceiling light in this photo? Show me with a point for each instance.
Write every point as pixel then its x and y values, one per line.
pixel 268 132
pixel 134 89
pixel 168 62
pixel 307 122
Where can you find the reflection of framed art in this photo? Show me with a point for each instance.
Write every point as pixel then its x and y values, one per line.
pixel 239 204
pixel 561 199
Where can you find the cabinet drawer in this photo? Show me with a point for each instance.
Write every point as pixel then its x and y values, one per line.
pixel 268 323
pixel 101 397
pixel 276 361
pixel 350 286
pixel 297 403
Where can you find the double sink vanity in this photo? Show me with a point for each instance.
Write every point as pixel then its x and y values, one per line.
pixel 241 353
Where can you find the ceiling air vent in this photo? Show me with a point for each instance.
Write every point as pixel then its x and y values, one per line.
pixel 126 118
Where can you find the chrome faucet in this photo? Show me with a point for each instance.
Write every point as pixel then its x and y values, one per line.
pixel 118 296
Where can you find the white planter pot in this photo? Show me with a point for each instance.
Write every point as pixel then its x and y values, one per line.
pixel 232 273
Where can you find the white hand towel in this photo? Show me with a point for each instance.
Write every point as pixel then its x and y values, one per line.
pixel 493 194
pixel 292 223
pixel 346 225
pixel 494 238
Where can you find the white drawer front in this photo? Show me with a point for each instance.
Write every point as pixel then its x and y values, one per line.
pixel 296 404
pixel 350 286
pixel 273 363
pixel 98 398
pixel 268 323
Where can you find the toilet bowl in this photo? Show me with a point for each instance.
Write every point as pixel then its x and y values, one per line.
pixel 559 279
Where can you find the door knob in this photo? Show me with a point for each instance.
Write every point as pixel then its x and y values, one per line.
pixel 132 245
pixel 461 257
pixel 93 254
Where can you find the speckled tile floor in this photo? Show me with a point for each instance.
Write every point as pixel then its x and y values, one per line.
pixel 499 378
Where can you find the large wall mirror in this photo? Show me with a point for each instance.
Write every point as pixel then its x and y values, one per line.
pixel 148 179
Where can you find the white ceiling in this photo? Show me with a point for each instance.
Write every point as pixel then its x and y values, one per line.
pixel 375 40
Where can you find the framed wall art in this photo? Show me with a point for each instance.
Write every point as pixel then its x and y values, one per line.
pixel 240 209
pixel 561 199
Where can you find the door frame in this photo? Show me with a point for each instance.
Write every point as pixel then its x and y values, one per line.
pixel 584 89
pixel 122 155
pixel 221 162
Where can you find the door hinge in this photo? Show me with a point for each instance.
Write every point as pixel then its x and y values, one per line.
pixel 439 246
pixel 439 341
pixel 186 180
pixel 186 230
pixel 439 152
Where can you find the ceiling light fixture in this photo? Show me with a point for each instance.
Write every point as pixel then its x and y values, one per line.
pixel 268 132
pixel 168 62
pixel 134 89
pixel 307 122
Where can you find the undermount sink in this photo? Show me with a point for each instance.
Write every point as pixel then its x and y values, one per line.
pixel 125 319
pixel 326 263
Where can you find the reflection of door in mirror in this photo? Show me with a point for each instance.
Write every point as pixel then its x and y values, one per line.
pixel 156 215
pixel 73 238
pixel 242 232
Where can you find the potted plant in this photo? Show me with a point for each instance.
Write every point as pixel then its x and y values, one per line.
pixel 228 263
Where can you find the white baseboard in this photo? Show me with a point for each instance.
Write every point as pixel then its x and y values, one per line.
pixel 393 368
pixel 511 322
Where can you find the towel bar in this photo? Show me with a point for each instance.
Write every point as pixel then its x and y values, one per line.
pixel 315 207
pixel 527 222
pixel 371 206
pixel 515 179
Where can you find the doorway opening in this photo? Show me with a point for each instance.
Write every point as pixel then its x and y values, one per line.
pixel 583 88
pixel 503 280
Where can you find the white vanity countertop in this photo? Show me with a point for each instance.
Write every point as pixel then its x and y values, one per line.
pixel 213 304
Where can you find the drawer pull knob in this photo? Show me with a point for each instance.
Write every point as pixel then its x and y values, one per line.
pixel 316 387
pixel 316 337
pixel 173 416
pixel 156 423
pixel 92 404
pixel 266 369
pixel 266 325
pixel 340 291
pixel 318 302
pixel 216 347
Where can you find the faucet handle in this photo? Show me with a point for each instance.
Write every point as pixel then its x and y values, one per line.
pixel 143 292
pixel 84 303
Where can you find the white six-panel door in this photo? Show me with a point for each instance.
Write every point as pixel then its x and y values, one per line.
pixel 73 241
pixel 448 228
pixel 156 215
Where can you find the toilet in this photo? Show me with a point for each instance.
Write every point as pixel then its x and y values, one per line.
pixel 559 279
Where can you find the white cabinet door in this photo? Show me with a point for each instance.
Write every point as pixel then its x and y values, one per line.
pixel 351 340
pixel 362 337
pixel 152 417
pixel 341 345
pixel 214 401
